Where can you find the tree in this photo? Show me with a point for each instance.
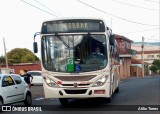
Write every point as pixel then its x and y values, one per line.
pixel 155 66
pixel 2 60
pixel 21 55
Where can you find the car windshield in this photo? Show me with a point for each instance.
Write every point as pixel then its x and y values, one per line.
pixel 74 53
pixel 35 73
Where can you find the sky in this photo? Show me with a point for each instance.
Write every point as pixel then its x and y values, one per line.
pixel 20 19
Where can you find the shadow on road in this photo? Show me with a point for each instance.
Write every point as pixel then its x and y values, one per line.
pixel 92 102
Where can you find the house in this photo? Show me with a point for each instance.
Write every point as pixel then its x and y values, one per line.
pixel 125 54
pixel 136 68
pixel 148 56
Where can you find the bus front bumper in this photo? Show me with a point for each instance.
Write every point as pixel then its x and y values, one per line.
pixel 90 92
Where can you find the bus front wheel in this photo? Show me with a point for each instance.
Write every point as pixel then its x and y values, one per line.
pixel 109 99
pixel 63 101
pixel 117 90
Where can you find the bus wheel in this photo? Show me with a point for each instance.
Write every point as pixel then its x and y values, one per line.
pixel 117 90
pixel 109 99
pixel 63 101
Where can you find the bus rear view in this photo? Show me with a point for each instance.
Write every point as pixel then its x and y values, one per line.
pixel 79 59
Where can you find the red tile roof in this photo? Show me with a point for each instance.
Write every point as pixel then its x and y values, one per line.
pixel 122 37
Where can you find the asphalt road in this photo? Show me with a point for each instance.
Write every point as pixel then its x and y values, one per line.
pixel 134 93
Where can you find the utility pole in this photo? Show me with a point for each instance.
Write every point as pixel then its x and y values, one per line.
pixel 5 53
pixel 142 56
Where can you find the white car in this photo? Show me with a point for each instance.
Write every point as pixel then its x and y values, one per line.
pixel 14 89
pixel 37 77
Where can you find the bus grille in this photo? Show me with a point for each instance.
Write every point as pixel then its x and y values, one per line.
pixel 81 91
pixel 73 85
pixel 75 78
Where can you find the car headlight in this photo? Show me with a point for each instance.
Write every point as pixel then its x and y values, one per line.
pixel 50 82
pixel 101 81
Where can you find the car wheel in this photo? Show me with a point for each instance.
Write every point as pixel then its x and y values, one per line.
pixel 1 103
pixel 28 99
pixel 63 101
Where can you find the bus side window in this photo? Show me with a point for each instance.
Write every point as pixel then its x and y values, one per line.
pixel 111 43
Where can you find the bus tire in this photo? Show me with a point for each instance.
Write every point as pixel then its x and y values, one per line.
pixel 109 99
pixel 63 101
pixel 117 90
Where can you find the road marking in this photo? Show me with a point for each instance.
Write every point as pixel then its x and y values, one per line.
pixel 40 98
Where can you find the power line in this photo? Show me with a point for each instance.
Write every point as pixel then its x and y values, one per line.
pixel 115 15
pixel 43 5
pixel 152 1
pixel 135 5
pixel 38 8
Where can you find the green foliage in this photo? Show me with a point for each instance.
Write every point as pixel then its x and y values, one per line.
pixel 154 69
pixel 21 55
pixel 156 66
pixel 2 60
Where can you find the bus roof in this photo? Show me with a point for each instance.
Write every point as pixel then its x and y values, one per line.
pixel 72 18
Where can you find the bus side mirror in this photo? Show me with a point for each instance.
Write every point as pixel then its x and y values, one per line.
pixel 35 47
pixel 111 40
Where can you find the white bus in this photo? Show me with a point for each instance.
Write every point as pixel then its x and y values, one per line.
pixel 80 59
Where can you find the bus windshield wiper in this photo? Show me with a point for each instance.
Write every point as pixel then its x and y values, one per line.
pixel 62 40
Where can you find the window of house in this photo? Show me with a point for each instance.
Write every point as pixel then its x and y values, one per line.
pixel 150 56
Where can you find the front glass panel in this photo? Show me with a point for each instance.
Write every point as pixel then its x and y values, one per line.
pixel 74 53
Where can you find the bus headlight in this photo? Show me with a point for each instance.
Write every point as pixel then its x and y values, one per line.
pixel 50 82
pixel 101 81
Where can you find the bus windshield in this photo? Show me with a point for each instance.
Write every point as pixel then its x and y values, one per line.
pixel 74 53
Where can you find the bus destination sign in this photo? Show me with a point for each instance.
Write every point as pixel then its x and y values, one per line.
pixel 69 26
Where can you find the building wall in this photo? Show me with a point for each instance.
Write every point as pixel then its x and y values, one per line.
pixel 121 70
pixel 28 67
pixel 124 45
pixel 148 55
pixel 125 68
pixel 136 71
